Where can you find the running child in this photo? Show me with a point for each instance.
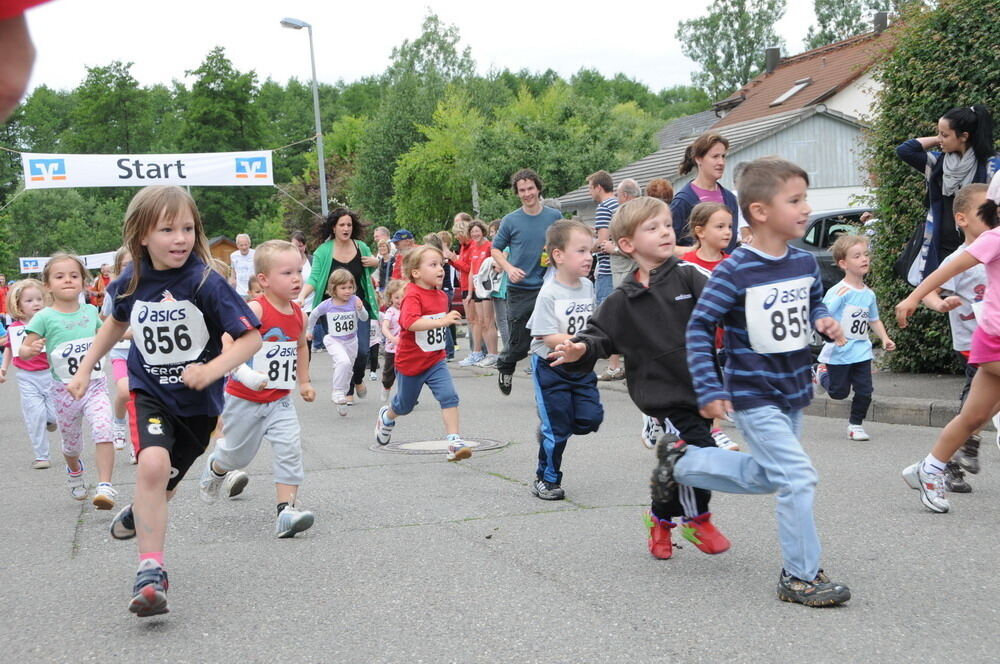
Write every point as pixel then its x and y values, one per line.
pixel 644 319
pixel 178 309
pixel 65 331
pixel 122 403
pixel 420 355
pixel 766 296
pixel 25 299
pixel 845 367
pixel 983 399
pixel 391 331
pixel 259 403
pixel 343 311
pixel 568 401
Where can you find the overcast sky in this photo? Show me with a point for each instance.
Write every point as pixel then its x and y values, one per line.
pixel 355 39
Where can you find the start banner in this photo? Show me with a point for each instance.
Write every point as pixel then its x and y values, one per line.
pixel 213 169
pixel 34 264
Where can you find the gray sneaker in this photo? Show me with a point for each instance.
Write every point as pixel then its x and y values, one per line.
pixel 968 455
pixel 235 482
pixel 291 521
pixel 383 431
pixel 931 487
pixel 209 484
pixel 954 479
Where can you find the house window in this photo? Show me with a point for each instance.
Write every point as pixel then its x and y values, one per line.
pixel 799 85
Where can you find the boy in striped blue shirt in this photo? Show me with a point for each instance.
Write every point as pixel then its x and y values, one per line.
pixel 766 297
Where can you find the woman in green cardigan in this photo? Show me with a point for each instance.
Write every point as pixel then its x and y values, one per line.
pixel 341 247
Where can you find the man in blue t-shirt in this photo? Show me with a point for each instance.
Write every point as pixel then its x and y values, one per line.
pixel 523 233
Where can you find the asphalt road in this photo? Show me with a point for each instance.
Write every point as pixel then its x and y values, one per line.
pixel 413 559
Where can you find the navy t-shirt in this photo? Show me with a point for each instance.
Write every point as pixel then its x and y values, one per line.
pixel 177 318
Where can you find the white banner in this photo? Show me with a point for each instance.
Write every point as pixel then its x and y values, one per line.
pixel 34 264
pixel 214 169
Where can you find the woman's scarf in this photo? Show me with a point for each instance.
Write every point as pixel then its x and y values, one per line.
pixel 957 171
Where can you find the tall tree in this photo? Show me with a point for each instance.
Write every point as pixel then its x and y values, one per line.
pixel 729 42
pixel 839 19
pixel 111 113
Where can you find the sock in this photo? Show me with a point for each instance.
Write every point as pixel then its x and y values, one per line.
pixel 211 466
pixel 155 556
pixel 452 437
pixel 281 507
pixel 932 466
pixel 75 473
pixel 386 420
pixel 120 421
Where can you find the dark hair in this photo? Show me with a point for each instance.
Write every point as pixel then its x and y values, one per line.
pixel 325 230
pixel 300 236
pixel 481 225
pixel 978 124
pixel 762 178
pixel 699 148
pixel 525 174
pixel 660 188
pixel 603 180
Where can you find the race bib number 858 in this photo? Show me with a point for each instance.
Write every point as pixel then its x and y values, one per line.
pixel 778 316
pixel 431 340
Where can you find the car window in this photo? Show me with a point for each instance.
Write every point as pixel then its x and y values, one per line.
pixel 814 233
pixel 837 226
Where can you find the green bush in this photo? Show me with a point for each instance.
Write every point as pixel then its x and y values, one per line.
pixel 943 58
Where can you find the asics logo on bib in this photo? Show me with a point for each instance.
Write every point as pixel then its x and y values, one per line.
pixel 161 315
pixel 278 351
pixel 75 349
pixel 786 296
pixel 860 313
pixel 579 308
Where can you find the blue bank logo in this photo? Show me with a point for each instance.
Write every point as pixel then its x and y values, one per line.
pixel 46 170
pixel 251 167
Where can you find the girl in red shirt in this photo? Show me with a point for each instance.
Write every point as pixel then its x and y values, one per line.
pixel 481 323
pixel 420 355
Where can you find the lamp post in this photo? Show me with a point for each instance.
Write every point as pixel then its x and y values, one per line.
pixel 296 24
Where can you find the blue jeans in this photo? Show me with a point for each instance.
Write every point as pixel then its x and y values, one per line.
pixel 603 286
pixel 408 388
pixel 776 464
pixel 361 360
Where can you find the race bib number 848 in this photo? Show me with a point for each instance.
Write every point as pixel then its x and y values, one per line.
pixel 778 316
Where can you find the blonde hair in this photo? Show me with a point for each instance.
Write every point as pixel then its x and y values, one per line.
pixel 221 267
pixel 14 296
pixel 64 256
pixel 628 217
pixel 394 286
pixel 144 212
pixel 263 258
pixel 447 239
pixel 416 257
pixel 460 229
pixel 844 243
pixel 119 263
pixel 339 277
pixel 700 216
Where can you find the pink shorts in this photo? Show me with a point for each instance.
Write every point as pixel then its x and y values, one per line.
pixel 985 348
pixel 119 368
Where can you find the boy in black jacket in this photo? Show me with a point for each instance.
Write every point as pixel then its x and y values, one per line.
pixel 645 320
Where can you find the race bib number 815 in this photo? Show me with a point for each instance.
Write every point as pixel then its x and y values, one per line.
pixel 278 360
pixel 778 316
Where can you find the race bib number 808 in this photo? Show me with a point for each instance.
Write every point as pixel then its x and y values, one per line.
pixel 778 316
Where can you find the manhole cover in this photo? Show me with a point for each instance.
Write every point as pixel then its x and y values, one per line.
pixel 435 446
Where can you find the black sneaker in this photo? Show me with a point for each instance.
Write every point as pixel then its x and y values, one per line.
pixel 547 490
pixel 149 594
pixel 123 525
pixel 663 485
pixel 968 455
pixel 954 479
pixel 505 382
pixel 816 593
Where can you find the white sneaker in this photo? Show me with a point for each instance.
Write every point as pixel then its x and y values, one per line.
pixel 652 429
pixel 931 487
pixel 104 497
pixel 473 358
pixel 488 361
pixel 723 441
pixel 458 450
pixel 372 376
pixel 209 483
pixel 341 408
pixel 119 435
pixel 383 431
pixel 292 520
pixel 857 432
pixel 234 483
pixel 77 487
pixel 385 395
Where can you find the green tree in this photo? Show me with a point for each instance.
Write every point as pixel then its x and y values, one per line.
pixel 728 42
pixel 839 19
pixel 944 57
pixel 111 113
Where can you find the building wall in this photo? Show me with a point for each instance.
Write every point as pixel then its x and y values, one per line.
pixel 856 99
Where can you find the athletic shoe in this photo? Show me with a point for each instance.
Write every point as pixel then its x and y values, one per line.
pixel 701 532
pixel 40 464
pixel 104 498
pixel 361 390
pixel 488 361
pixel 723 441
pixel 132 457
pixel 383 431
pixel 292 521
pixel 473 358
pixel 968 455
pixel 931 487
pixel 342 408
pixel 527 372
pixel 857 432
pixel 119 435
pixel 669 450
pixel 612 374
pixel 659 542
pixel 818 371
pixel 652 429
pixel 816 593
pixel 954 479
pixel 372 376
pixel 209 483
pixel 149 594
pixel 547 490
pixel 385 395
pixel 505 382
pixel 234 483
pixel 458 450
pixel 77 487
pixel 51 426
pixel 123 525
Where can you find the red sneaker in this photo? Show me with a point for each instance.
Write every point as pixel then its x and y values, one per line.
pixel 660 545
pixel 703 534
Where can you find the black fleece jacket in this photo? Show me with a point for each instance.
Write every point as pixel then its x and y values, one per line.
pixel 647 326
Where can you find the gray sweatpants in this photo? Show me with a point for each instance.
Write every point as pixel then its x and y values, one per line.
pixel 38 407
pixel 245 424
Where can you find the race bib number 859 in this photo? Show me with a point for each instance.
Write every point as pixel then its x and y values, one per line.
pixel 778 316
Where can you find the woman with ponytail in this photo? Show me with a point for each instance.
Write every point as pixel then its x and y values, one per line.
pixel 706 155
pixel 961 153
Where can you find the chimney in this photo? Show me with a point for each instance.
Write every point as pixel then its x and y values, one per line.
pixel 881 22
pixel 772 56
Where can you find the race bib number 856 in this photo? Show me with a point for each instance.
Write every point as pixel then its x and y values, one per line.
pixel 778 316
pixel 168 332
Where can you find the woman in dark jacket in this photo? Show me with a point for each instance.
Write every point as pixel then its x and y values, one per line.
pixel 707 154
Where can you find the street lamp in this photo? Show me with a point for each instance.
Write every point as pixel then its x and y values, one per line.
pixel 296 24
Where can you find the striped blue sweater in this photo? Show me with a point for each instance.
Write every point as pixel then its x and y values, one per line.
pixel 767 306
